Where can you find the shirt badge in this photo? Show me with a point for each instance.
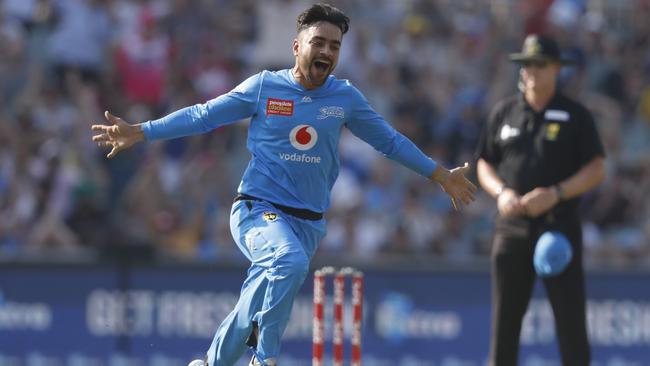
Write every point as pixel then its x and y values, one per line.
pixel 280 107
pixel 269 216
pixel 331 111
pixel 306 99
pixel 552 129
pixel 508 132
pixel 556 115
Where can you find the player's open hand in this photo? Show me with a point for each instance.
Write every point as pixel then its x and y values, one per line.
pixel 118 135
pixel 454 183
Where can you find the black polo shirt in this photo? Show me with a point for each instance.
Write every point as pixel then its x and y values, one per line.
pixel 532 149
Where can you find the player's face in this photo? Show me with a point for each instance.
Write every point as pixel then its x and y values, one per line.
pixel 540 76
pixel 317 53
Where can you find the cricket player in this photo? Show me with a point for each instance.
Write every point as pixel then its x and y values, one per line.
pixel 297 116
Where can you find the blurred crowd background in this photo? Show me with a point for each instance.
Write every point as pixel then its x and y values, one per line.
pixel 432 68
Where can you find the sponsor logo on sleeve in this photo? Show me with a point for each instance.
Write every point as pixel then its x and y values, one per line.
pixel 280 107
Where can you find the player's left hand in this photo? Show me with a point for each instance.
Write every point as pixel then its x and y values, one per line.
pixel 454 183
pixel 538 201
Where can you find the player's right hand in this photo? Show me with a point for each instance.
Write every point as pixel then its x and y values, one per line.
pixel 119 135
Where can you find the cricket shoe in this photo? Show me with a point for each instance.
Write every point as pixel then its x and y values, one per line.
pixel 267 362
pixel 203 362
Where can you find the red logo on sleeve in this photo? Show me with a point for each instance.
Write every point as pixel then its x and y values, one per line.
pixel 279 106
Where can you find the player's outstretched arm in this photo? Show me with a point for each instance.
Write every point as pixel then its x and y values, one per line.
pixel 118 135
pixel 454 183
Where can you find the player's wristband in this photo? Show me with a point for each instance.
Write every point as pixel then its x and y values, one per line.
pixel 559 192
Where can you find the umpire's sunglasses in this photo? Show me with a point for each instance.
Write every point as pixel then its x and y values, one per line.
pixel 539 64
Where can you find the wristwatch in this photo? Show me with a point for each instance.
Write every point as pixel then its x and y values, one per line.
pixel 559 191
pixel 499 190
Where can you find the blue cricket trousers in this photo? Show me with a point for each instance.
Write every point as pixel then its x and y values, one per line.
pixel 279 247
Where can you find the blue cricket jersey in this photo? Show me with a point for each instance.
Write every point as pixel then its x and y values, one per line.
pixel 293 135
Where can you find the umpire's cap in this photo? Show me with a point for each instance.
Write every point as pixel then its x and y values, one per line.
pixel 552 254
pixel 539 48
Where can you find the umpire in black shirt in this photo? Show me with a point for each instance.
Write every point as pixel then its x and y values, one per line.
pixel 538 153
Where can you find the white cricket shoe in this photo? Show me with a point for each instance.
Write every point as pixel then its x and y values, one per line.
pixel 196 363
pixel 256 362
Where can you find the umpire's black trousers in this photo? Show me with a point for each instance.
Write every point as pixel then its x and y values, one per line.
pixel 513 279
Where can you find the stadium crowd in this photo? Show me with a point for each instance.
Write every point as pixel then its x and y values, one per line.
pixel 433 68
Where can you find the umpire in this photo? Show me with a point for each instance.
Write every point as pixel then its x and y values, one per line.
pixel 538 153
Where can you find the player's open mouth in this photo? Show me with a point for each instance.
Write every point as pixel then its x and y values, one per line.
pixel 321 66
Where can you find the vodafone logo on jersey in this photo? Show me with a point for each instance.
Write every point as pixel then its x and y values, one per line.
pixel 303 137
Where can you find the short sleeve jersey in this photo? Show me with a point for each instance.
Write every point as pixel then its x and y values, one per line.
pixel 293 135
pixel 538 149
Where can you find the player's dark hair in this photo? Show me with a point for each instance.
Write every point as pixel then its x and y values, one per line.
pixel 323 13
